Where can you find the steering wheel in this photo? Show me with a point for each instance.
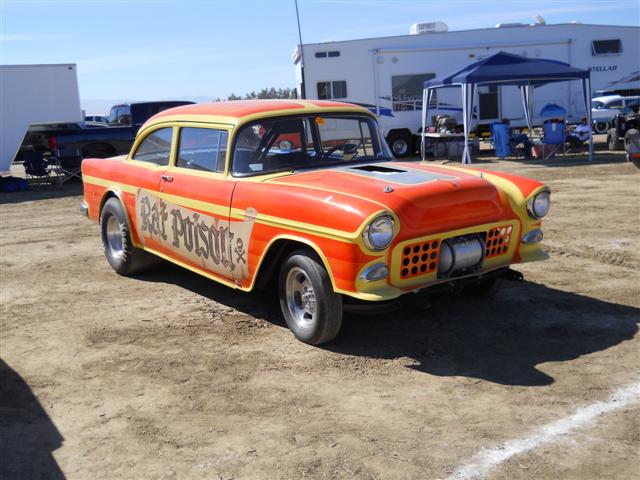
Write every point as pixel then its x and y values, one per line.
pixel 347 148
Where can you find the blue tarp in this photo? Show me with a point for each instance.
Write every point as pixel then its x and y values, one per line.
pixel 509 69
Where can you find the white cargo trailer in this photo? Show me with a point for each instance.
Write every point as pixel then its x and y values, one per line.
pixel 34 94
pixel 387 74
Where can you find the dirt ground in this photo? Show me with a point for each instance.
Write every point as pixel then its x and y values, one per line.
pixel 169 375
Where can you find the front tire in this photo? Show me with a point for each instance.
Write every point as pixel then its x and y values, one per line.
pixel 123 257
pixel 312 310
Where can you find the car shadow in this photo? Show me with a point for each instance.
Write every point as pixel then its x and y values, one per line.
pixel 72 188
pixel 28 437
pixel 500 339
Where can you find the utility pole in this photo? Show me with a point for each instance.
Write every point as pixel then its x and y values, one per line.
pixel 303 92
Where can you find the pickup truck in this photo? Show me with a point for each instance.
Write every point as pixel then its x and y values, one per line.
pixel 93 141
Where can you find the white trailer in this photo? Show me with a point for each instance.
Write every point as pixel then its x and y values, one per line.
pixel 34 94
pixel 387 74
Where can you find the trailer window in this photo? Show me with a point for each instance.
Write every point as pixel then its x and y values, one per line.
pixel 406 91
pixel 329 90
pixel 606 47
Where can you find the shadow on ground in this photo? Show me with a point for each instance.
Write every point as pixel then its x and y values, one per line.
pixel 71 188
pixel 500 339
pixel 27 435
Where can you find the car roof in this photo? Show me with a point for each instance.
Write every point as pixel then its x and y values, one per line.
pixel 240 111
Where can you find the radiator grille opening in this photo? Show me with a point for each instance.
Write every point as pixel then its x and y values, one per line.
pixel 420 258
pixel 498 240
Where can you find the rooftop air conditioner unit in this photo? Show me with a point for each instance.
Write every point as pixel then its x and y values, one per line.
pixel 431 27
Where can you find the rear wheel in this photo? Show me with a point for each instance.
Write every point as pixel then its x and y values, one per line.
pixel 601 127
pixel 401 145
pixel 123 257
pixel 312 310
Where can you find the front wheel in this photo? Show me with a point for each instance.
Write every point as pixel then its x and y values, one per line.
pixel 312 310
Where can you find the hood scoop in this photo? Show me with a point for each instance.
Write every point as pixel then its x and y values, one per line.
pixel 405 176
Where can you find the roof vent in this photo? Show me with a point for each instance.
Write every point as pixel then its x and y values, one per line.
pixel 511 25
pixel 431 27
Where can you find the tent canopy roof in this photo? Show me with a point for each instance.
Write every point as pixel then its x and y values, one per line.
pixel 509 69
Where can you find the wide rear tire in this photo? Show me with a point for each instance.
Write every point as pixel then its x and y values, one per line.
pixel 122 255
pixel 312 310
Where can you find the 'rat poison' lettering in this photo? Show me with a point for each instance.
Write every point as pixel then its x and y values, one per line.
pixel 215 244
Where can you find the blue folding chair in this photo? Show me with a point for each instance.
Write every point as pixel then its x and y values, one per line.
pixel 553 135
pixel 38 170
pixel 500 137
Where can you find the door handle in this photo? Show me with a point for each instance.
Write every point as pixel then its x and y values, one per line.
pixel 167 178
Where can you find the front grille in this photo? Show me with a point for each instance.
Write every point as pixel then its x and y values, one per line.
pixel 498 239
pixel 419 258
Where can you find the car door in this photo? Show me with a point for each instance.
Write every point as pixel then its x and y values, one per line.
pixel 197 193
pixel 149 159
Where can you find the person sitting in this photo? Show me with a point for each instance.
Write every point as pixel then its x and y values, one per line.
pixel 578 134
pixel 519 139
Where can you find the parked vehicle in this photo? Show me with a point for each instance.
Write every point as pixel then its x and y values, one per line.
pixel 34 94
pixel 209 187
pixel 604 110
pixel 96 118
pixel 124 122
pixel 387 74
pixel 623 128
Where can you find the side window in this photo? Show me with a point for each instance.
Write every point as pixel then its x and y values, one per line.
pixel 406 91
pixel 615 104
pixel 606 47
pixel 329 90
pixel 156 147
pixel 202 149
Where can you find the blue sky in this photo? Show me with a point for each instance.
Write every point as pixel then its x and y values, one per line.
pixel 144 50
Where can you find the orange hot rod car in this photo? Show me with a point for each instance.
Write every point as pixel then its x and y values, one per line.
pixel 327 213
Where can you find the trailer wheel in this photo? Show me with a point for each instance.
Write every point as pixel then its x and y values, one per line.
pixel 401 145
pixel 601 127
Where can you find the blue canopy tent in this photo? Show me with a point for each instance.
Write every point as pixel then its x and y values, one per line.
pixel 505 69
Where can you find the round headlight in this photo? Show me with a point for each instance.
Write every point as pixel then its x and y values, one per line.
pixel 538 206
pixel 379 233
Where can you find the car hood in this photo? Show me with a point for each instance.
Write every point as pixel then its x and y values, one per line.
pixel 426 198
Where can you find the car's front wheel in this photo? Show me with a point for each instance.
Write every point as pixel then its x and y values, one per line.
pixel 312 310
pixel 601 127
pixel 122 255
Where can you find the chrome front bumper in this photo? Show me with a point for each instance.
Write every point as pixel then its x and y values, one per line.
pixel 84 208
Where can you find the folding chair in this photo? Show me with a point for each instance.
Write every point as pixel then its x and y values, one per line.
pixel 500 138
pixel 38 170
pixel 553 136
pixel 69 163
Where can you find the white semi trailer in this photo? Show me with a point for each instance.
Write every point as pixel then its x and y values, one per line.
pixel 34 94
pixel 387 74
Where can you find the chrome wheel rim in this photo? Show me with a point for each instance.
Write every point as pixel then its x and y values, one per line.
pixel 301 298
pixel 114 236
pixel 400 147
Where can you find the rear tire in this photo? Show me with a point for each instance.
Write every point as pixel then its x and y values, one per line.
pixel 601 127
pixel 123 257
pixel 401 144
pixel 312 310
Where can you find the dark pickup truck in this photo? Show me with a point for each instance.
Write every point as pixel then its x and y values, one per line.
pixel 98 142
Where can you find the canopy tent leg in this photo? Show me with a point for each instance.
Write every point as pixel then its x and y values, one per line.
pixel 586 89
pixel 426 100
pixel 467 105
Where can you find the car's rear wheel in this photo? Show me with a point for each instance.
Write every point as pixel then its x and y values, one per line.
pixel 601 127
pixel 312 310
pixel 401 145
pixel 122 255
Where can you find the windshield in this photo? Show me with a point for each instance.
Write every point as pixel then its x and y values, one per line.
pixel 300 142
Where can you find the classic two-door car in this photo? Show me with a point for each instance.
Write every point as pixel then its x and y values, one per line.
pixel 308 195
